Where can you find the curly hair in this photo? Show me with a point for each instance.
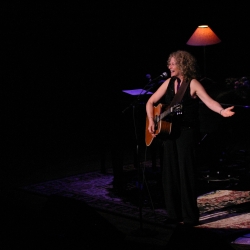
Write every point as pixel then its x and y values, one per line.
pixel 187 64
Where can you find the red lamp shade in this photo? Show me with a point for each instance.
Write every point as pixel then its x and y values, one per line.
pixel 203 36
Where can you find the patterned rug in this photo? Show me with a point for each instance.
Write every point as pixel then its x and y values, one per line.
pixel 226 211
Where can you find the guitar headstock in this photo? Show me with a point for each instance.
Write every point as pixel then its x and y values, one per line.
pixel 177 109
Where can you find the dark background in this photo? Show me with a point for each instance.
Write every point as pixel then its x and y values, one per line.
pixel 65 66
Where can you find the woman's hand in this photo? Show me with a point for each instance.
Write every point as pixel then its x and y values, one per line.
pixel 151 127
pixel 227 112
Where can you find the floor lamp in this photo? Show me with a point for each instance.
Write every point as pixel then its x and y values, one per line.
pixel 203 36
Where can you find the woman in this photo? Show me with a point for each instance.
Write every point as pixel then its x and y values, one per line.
pixel 179 172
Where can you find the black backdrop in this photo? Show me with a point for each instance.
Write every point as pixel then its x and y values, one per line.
pixel 65 65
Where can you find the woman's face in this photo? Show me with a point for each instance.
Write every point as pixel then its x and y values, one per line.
pixel 173 67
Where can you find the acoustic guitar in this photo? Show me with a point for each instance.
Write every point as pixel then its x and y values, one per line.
pixel 161 127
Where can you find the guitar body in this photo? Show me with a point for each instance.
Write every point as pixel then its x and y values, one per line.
pixel 161 127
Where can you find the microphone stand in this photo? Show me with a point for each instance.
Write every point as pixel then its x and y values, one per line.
pixel 150 85
pixel 141 231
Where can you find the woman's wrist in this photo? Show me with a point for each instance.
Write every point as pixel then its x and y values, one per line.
pixel 221 111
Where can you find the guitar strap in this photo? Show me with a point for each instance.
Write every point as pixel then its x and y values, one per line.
pixel 178 96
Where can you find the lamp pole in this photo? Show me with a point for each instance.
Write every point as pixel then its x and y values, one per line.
pixel 205 69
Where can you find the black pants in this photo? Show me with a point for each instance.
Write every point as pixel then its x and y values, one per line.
pixel 179 175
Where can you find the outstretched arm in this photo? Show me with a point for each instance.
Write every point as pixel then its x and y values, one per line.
pixel 199 90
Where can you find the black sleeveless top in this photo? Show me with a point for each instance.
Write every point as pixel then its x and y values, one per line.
pixel 190 106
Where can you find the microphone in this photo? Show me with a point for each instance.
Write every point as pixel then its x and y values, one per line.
pixel 148 76
pixel 152 83
pixel 163 75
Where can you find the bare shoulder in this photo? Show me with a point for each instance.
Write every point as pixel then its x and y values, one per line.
pixel 164 84
pixel 167 81
pixel 159 92
pixel 195 84
pixel 197 88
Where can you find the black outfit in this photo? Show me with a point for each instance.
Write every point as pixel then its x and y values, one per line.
pixel 179 172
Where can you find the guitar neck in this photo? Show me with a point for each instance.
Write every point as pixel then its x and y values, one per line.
pixel 174 109
pixel 164 114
